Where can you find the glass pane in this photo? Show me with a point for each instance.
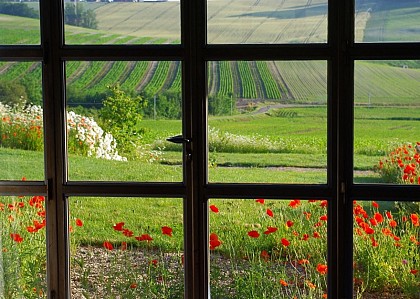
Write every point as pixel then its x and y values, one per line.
pixel 119 115
pixel 386 249
pixel 23 247
pixel 19 23
pixel 387 21
pixel 130 247
pixel 21 126
pixel 268 249
pixel 267 121
pixel 386 122
pixel 266 21
pixel 133 22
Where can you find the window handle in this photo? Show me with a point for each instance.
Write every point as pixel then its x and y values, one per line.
pixel 178 139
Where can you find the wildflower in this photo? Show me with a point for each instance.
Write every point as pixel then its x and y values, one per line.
pixel 324 203
pixel 214 241
pixel 323 218
pixel 118 226
pixel 305 237
pixel 127 233
pixel 16 237
pixel 270 213
pixel 392 223
pixel 378 217
pixel 265 255
pixel 79 222
pixel 414 271
pixel 260 200
pixel 322 269
pixel 283 283
pixel 214 209
pixel 388 215
pixel 108 245
pixel 133 285
pixel 311 285
pixel 374 243
pixel 285 242
pixel 415 219
pixel 153 262
pixel 144 237
pixel 289 223
pixel 316 235
pixel 375 204
pixel 303 262
pixel 253 234
pixel 270 230
pixel 166 230
pixel 294 203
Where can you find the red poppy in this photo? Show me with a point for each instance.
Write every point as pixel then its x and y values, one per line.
pixel 270 230
pixel 144 237
pixel 79 222
pixel 214 209
pixel 414 240
pixel 285 242
pixel 289 223
pixel 253 234
pixel 316 235
pixel 303 262
pixel 311 285
pixel 283 283
pixel 388 215
pixel 41 213
pixel 378 217
pixel 322 269
pixel 127 233
pixel 214 243
pixel 108 245
pixel 369 230
pixel 318 224
pixel 31 229
pixel 373 221
pixel 153 262
pixel 260 200
pixel 324 203
pixel 307 214
pixel 386 231
pixel 415 219
pixel 16 237
pixel 166 230
pixel 375 204
pixel 21 204
pixel 323 218
pixel 392 223
pixel 374 243
pixel 270 213
pixel 118 226
pixel 414 271
pixel 294 203
pixel 305 237
pixel 265 255
pixel 133 285
pixel 38 225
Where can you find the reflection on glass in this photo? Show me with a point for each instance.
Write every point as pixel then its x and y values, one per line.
pixel 130 246
pixel 134 22
pixel 386 122
pixel 387 21
pixel 386 249
pixel 268 249
pixel 267 121
pixel 266 21
pixel 23 247
pixel 21 121
pixel 19 23
pixel 119 115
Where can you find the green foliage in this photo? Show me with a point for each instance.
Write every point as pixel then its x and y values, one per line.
pixel 18 9
pixel 168 105
pixel 75 14
pixel 12 94
pixel 221 105
pixel 120 116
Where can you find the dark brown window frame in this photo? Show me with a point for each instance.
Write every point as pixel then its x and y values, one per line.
pixel 340 52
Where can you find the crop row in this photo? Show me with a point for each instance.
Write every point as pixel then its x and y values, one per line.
pixel 249 89
pixel 159 77
pixel 225 79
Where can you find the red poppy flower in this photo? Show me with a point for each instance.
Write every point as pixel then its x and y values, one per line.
pixel 285 242
pixel 270 230
pixel 253 234
pixel 214 241
pixel 324 203
pixel 127 233
pixel 79 222
pixel 270 213
pixel 305 237
pixel 322 269
pixel 38 225
pixel 294 203
pixel 374 243
pixel 414 271
pixel 311 285
pixel 307 215
pixel 388 215
pixel 260 200
pixel 323 218
pixel 265 255
pixel 41 213
pixel 214 209
pixel 378 217
pixel 108 245
pixel 373 221
pixel 144 237
pixel 316 235
pixel 414 240
pixel 303 262
pixel 415 219
pixel 166 230
pixel 368 230
pixel 21 204
pixel 375 204
pixel 31 229
pixel 392 223
pixel 118 226
pixel 386 231
pixel 153 262
pixel 133 285
pixel 283 283
pixel 16 237
pixel 289 223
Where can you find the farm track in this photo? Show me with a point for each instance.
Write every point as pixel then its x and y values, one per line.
pixel 219 10
pixel 281 82
pixel 149 75
pixel 4 68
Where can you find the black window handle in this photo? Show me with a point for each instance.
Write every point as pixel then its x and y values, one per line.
pixel 178 139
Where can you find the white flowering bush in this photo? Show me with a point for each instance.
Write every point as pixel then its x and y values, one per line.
pixel 22 128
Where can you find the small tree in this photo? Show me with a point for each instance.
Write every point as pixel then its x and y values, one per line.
pixel 12 94
pixel 120 116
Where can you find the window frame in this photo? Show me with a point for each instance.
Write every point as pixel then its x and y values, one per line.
pixel 340 52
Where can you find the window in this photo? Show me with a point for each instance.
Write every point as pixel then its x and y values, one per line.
pixel 197 148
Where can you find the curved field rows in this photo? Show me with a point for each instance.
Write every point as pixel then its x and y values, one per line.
pixel 176 85
pixel 259 83
pixel 226 85
pixel 172 72
pixel 158 79
pixel 236 79
pixel 151 69
pixel 136 72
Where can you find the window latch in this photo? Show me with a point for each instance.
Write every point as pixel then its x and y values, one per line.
pixel 178 139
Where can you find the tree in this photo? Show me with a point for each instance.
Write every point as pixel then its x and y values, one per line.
pixel 12 94
pixel 75 14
